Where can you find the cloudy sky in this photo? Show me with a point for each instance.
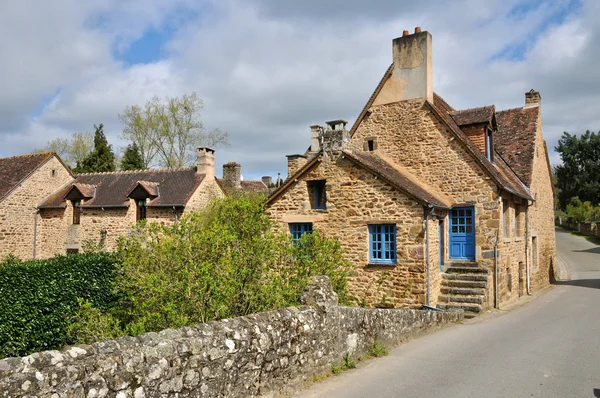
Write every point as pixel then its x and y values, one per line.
pixel 267 69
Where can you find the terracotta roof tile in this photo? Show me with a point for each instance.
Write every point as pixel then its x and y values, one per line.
pixel 400 178
pixel 515 139
pixel 15 169
pixel 484 114
pixel 176 187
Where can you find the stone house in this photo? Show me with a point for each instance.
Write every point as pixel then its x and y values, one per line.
pixel 45 210
pixel 433 205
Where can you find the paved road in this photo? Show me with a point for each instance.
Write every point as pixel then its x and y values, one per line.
pixel 549 347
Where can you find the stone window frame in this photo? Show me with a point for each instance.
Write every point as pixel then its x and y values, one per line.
pixel 383 234
pixel 370 144
pixel 506 230
pixel 518 229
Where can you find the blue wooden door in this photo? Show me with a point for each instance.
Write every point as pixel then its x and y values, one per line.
pixel 462 233
pixel 441 243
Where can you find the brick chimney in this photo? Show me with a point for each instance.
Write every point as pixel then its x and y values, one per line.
pixel 532 98
pixel 412 76
pixel 206 161
pixel 232 174
pixel 295 162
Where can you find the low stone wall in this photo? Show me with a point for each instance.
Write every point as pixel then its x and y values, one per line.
pixel 586 228
pixel 271 353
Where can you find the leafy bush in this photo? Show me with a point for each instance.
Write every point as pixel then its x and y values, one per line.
pixel 38 297
pixel 223 262
pixel 578 211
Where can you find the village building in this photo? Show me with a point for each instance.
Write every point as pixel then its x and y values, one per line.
pixel 432 205
pixel 45 210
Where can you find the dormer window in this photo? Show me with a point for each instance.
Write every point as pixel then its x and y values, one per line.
pixel 489 146
pixel 76 211
pixel 141 209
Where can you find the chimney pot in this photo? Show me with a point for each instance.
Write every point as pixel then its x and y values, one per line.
pixel 418 29
pixel 405 33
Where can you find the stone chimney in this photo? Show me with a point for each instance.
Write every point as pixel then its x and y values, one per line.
pixel 206 161
pixel 295 162
pixel 532 98
pixel 335 137
pixel 232 174
pixel 315 137
pixel 267 180
pixel 412 76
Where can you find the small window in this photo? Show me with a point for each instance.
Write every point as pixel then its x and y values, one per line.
pixel 382 244
pixel 518 221
pixel 141 210
pixel 371 145
pixel 506 218
pixel 76 211
pixel 53 173
pixel 318 197
pixel 299 229
pixel 489 146
pixel 72 251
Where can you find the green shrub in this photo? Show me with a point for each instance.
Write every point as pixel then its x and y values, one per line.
pixel 223 262
pixel 38 298
pixel 377 350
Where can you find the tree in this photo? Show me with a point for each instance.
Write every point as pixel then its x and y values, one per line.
pixel 169 129
pixel 579 174
pixel 132 158
pixel 102 158
pixel 72 151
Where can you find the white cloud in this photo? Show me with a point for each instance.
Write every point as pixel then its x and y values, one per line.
pixel 268 69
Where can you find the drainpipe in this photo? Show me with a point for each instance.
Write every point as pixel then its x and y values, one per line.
pixel 35 232
pixel 428 212
pixel 527 265
pixel 175 213
pixel 496 292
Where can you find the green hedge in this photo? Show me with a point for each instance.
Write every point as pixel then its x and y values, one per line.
pixel 39 297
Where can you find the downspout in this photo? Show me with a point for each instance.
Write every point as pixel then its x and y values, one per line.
pixel 496 292
pixel 175 213
pixel 428 212
pixel 527 265
pixel 35 232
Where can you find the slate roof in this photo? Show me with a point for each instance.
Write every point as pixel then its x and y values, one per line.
pixel 15 169
pixel 515 139
pixel 400 178
pixel 484 114
pixel 175 186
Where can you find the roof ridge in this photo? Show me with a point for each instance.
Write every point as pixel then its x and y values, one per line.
pixel 472 109
pixel 27 155
pixel 518 108
pixel 135 171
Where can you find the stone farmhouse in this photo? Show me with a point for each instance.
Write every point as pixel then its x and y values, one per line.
pixel 433 205
pixel 45 210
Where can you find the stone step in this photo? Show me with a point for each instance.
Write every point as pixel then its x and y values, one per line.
pixel 453 299
pixel 466 270
pixel 449 283
pixel 464 291
pixel 461 306
pixel 463 264
pixel 466 277
pixel 470 315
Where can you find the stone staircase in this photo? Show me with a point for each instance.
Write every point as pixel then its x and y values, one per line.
pixel 464 287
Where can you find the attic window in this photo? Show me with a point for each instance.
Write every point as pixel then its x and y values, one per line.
pixel 489 146
pixel 53 172
pixel 317 194
pixel 370 144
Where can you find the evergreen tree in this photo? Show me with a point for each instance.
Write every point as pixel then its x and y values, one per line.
pixel 132 158
pixel 102 158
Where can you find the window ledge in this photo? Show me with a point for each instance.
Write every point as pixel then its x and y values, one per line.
pixel 508 240
pixel 321 210
pixel 519 239
pixel 375 265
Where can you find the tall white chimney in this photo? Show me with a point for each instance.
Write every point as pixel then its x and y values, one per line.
pixel 412 75
pixel 206 161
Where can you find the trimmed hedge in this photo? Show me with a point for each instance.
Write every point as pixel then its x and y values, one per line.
pixel 39 297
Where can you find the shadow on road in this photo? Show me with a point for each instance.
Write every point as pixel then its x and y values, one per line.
pixel 597 392
pixel 589 283
pixel 595 250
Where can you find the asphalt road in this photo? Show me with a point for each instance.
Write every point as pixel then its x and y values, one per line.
pixel 549 347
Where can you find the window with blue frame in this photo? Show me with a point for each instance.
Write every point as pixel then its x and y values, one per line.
pixel 489 146
pixel 382 244
pixel 300 228
pixel 318 198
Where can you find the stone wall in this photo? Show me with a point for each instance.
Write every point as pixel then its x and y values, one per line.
pixel 17 210
pixel 274 352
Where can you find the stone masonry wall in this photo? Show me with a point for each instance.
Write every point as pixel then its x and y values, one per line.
pixel 355 199
pixel 264 354
pixel 17 210
pixel 541 215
